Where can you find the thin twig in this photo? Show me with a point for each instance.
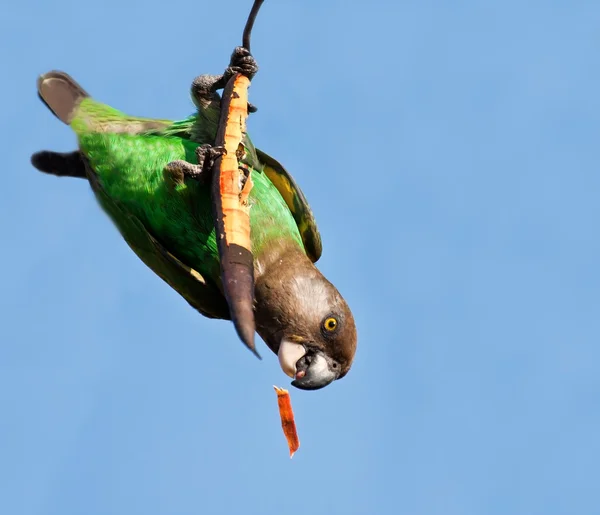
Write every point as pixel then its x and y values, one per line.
pixel 250 24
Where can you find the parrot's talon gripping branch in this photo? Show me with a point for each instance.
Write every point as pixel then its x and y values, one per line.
pixel 204 87
pixel 206 155
pixel 176 171
pixel 241 62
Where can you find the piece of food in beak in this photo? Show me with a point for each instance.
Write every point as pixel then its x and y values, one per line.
pixel 287 419
pixel 289 354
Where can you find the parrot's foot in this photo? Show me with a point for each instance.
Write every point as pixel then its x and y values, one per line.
pixel 241 62
pixel 206 155
pixel 204 89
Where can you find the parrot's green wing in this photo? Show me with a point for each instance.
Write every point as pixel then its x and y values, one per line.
pixel 296 202
pixel 277 174
pixel 197 290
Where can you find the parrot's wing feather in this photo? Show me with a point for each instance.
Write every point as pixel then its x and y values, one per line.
pixel 61 164
pixel 70 103
pixel 61 94
pixel 197 290
pixel 296 202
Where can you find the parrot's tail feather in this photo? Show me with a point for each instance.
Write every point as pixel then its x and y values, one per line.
pixel 69 164
pixel 61 94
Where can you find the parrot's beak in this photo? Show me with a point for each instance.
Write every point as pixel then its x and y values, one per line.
pixel 289 354
pixel 310 369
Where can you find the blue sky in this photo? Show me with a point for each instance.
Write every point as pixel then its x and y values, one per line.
pixel 450 154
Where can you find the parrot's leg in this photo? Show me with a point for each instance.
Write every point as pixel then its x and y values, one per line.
pixel 204 90
pixel 177 171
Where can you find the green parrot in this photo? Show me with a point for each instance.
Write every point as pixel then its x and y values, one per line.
pixel 141 172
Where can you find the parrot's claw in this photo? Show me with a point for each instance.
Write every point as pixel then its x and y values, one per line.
pixel 241 62
pixel 205 87
pixel 177 171
pixel 206 155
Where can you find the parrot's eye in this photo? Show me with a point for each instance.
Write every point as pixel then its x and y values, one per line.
pixel 330 324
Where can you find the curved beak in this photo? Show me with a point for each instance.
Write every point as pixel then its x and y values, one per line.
pixel 316 371
pixel 310 369
pixel 289 354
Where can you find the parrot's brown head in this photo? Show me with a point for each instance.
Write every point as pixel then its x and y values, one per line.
pixel 303 319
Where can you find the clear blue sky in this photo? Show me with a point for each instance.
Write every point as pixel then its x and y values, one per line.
pixel 451 156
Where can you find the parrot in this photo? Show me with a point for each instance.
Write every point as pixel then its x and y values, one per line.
pixel 143 175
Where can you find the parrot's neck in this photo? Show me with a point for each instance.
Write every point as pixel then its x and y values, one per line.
pixel 281 258
pixel 277 270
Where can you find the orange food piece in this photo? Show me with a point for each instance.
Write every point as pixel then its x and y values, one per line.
pixel 287 419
